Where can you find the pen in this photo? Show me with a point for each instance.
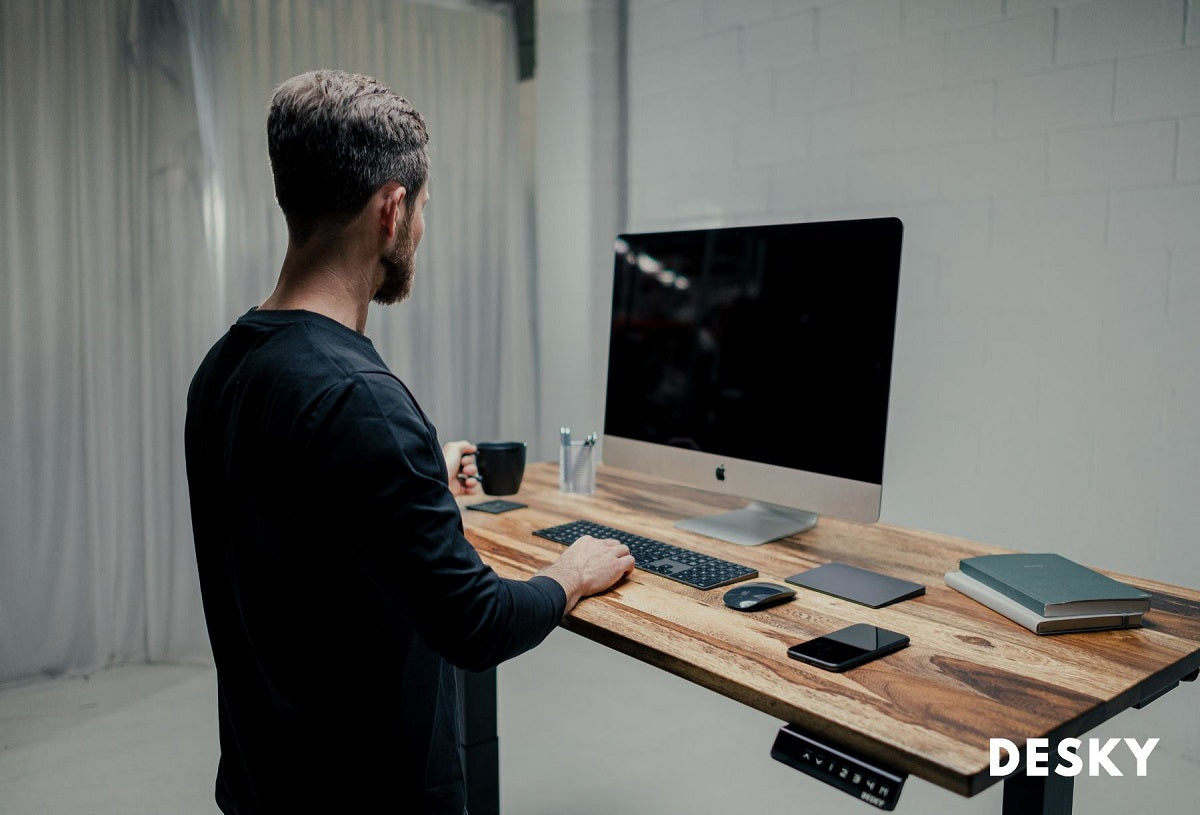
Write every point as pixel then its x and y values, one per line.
pixel 565 465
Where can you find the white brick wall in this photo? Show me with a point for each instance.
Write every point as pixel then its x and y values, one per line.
pixel 963 113
pixel 778 42
pixel 800 185
pixel 1055 99
pixel 996 167
pixel 1156 216
pixel 1184 299
pixel 721 15
pixel 1033 148
pixel 1127 155
pixel 857 25
pixel 662 25
pixel 779 140
pixel 1015 7
pixel 818 84
pixel 911 176
pixel 853 130
pixel 1158 85
pixel 1054 226
pixel 909 66
pixel 939 16
pixel 1044 156
pixel 671 157
pixel 1188 166
pixel 708 59
pixel 1107 28
pixel 1018 45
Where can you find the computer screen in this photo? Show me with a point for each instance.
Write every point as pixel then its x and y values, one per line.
pixel 756 361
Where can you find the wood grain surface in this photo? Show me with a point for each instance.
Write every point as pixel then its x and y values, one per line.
pixel 969 674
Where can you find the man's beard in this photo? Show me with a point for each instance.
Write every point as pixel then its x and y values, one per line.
pixel 399 267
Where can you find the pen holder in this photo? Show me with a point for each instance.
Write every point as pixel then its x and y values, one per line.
pixel 577 467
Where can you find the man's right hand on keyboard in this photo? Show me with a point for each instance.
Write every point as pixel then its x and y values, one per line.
pixel 590 566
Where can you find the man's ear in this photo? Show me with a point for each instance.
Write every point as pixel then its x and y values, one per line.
pixel 391 211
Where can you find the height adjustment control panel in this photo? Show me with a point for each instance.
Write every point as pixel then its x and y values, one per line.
pixel 866 780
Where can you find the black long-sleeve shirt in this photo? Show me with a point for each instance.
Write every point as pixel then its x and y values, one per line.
pixel 338 586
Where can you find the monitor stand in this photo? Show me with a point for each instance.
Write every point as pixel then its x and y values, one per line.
pixel 757 523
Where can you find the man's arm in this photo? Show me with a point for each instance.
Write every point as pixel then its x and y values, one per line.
pixel 589 566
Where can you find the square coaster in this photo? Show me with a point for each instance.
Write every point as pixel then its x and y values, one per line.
pixel 496 506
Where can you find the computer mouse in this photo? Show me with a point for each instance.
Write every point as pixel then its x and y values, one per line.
pixel 755 596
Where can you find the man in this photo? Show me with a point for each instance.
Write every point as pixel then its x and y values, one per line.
pixel 338 586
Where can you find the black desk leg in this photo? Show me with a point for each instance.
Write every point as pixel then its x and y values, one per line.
pixel 1040 795
pixel 480 743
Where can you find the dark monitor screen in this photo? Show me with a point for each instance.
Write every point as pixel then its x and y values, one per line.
pixel 767 344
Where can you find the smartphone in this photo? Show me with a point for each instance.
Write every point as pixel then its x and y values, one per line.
pixel 848 647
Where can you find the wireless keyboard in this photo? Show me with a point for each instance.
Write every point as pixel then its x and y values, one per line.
pixel 688 567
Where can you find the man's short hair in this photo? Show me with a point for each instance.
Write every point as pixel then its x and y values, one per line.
pixel 334 139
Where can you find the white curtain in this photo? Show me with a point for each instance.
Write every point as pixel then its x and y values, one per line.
pixel 138 221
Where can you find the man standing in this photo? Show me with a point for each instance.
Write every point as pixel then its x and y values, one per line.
pixel 338 586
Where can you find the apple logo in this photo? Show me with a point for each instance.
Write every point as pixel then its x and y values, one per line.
pixel 720 472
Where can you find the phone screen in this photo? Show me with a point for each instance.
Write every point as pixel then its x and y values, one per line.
pixel 848 647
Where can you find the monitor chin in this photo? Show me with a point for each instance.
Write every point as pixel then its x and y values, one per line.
pixel 782 501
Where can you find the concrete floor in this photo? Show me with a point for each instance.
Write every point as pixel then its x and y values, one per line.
pixel 137 739
pixel 583 730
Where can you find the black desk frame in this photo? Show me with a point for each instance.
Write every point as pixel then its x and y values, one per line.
pixel 1050 794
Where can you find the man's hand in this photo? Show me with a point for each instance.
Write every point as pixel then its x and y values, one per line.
pixel 460 463
pixel 590 566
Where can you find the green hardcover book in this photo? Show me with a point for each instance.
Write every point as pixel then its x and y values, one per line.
pixel 1054 586
pixel 1036 623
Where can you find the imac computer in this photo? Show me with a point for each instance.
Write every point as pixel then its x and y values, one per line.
pixel 755 362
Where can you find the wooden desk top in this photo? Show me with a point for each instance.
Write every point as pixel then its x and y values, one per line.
pixel 969 674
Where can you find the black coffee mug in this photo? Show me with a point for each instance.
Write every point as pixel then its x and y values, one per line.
pixel 501 466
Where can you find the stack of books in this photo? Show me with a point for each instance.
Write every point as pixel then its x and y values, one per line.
pixel 1049 594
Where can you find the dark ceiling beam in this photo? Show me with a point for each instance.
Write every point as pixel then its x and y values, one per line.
pixel 523 18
